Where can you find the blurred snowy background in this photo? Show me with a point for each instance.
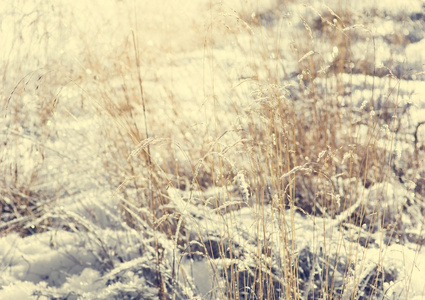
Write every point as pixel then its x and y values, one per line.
pixel 212 149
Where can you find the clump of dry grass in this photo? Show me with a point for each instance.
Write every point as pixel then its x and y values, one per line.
pixel 307 149
pixel 23 192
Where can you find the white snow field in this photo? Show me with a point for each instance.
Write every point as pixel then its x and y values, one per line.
pixel 209 149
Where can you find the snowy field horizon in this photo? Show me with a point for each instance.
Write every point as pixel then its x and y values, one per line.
pixel 212 149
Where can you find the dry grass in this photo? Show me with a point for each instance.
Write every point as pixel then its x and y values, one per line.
pixel 278 149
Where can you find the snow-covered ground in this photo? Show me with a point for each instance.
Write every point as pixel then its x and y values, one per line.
pixel 73 222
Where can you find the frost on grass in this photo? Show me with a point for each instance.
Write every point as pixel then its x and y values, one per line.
pixel 267 150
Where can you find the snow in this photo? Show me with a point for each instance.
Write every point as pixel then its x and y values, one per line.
pixel 415 53
pixel 68 59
